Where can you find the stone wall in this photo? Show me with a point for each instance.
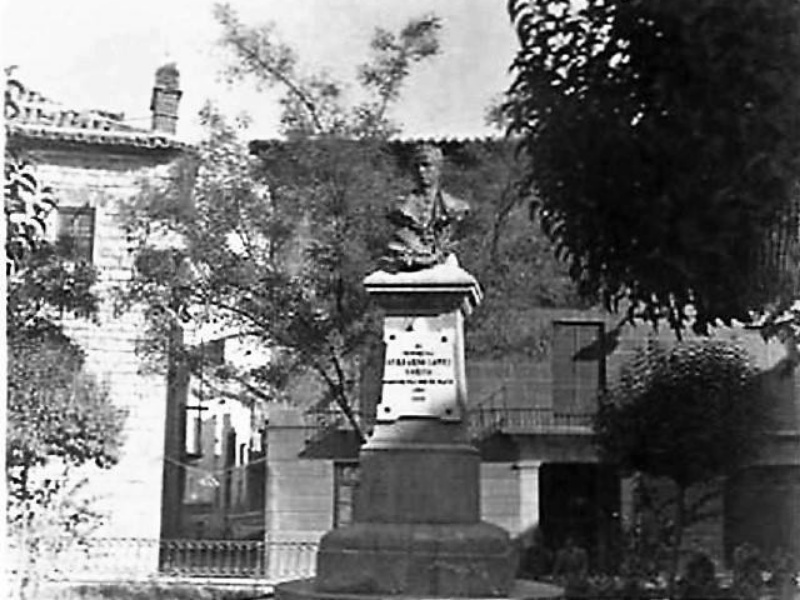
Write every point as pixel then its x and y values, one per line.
pixel 500 498
pixel 299 492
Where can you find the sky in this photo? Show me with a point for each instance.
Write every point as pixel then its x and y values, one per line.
pixel 103 54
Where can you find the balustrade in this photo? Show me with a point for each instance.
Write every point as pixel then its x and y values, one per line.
pixel 136 559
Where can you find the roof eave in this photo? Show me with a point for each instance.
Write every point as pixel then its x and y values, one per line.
pixel 123 141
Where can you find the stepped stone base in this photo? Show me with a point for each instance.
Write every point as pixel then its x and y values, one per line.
pixel 453 560
pixel 417 531
pixel 305 589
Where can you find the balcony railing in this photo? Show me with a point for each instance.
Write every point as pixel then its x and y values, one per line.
pixel 137 559
pixel 491 415
pixel 484 421
pixel 212 558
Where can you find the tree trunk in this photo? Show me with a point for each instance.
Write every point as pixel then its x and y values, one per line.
pixel 344 405
pixel 680 513
pixel 339 396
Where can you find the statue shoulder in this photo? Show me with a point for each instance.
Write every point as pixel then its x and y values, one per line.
pixel 455 206
pixel 409 206
pixel 400 202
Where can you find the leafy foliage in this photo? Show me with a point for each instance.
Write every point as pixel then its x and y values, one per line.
pixel 26 201
pixel 662 138
pixel 57 517
pixel 274 249
pixel 43 283
pixel 316 104
pixel 513 260
pixel 46 287
pixel 59 418
pixel 56 411
pixel 27 205
pixel 687 413
pixel 279 247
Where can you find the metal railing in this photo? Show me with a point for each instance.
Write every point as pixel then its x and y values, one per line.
pixel 483 421
pixel 491 415
pixel 138 559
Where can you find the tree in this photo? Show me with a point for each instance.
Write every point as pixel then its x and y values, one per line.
pixel 276 247
pixel 315 105
pixel 687 413
pixel 57 412
pixel 662 139
pixel 281 234
pixel 60 418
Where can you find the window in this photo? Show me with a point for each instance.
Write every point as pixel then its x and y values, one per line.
pixel 75 232
pixel 213 355
pixel 256 473
pixel 578 365
pixel 345 483
pixel 194 430
pixel 229 463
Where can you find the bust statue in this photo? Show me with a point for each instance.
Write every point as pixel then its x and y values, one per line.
pixel 423 220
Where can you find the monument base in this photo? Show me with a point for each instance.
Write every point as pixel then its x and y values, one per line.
pixel 415 559
pixel 305 589
pixel 416 531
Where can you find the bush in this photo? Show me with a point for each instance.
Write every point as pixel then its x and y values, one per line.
pixel 151 591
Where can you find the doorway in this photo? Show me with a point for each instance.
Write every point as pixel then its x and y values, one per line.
pixel 582 502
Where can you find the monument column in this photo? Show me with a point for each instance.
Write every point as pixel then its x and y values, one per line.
pixel 417 528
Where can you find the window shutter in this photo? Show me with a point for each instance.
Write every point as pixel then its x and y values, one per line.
pixel 578 366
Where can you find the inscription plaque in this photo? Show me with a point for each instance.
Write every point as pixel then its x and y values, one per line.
pixel 419 376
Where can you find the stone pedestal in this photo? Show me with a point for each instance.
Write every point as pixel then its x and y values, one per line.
pixel 305 589
pixel 417 530
pixel 417 527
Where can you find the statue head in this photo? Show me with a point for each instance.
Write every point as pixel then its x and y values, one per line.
pixel 428 161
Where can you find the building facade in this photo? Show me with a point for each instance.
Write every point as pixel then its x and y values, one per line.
pixel 222 465
pixel 531 417
pixel 541 474
pixel 96 163
pixel 201 464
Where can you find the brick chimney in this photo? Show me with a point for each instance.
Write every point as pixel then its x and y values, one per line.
pixel 165 99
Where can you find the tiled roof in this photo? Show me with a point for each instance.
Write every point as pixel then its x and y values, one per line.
pixel 257 146
pixel 445 140
pixel 43 119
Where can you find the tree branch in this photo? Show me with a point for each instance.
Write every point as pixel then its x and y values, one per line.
pixel 339 397
pixel 205 379
pixel 293 88
pixel 243 313
pixel 698 503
